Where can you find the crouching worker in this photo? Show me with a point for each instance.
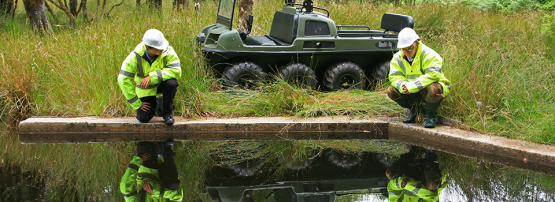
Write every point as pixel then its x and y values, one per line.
pixel 154 179
pixel 416 75
pixel 151 70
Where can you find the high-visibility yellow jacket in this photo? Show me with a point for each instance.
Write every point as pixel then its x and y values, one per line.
pixel 128 184
pixel 414 190
pixel 159 191
pixel 134 69
pixel 425 70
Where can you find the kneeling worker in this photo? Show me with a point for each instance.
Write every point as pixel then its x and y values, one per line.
pixel 150 70
pixel 415 74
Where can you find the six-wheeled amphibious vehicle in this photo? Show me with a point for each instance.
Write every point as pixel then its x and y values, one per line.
pixel 304 47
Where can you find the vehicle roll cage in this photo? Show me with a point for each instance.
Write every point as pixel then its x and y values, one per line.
pixel 307 5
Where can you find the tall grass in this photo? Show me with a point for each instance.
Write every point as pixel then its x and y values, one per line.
pixel 500 63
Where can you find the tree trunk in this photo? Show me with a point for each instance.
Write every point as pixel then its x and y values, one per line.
pixel 6 7
pixel 73 7
pixel 37 16
pixel 180 4
pixel 85 13
pixel 61 6
pixel 51 12
pixel 245 9
pixel 155 4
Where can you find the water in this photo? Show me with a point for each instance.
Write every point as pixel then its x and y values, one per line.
pixel 269 171
pixel 333 176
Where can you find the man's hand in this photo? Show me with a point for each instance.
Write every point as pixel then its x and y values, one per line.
pixel 147 187
pixel 145 156
pixel 145 107
pixel 405 89
pixel 403 184
pixel 145 82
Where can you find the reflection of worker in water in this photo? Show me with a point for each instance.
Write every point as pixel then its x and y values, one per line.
pixel 148 178
pixel 413 178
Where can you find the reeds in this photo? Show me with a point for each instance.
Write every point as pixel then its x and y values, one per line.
pixel 500 64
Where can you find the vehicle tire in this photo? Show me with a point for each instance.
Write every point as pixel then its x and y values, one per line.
pixel 246 75
pixel 379 73
pixel 300 75
pixel 344 76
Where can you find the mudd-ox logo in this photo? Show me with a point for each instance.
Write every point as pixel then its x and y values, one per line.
pixel 385 44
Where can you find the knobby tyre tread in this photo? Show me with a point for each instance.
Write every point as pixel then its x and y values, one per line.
pixel 345 72
pixel 246 75
pixel 291 74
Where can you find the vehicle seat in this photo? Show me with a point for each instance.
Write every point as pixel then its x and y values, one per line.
pixel 284 26
pixel 395 22
pixel 259 41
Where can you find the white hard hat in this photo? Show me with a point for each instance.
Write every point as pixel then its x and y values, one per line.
pixel 155 39
pixel 407 36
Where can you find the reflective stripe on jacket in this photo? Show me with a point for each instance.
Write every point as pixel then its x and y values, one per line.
pixel 159 192
pixel 128 184
pixel 134 69
pixel 413 190
pixel 425 70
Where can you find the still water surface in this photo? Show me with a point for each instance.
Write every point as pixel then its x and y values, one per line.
pixel 334 176
pixel 323 174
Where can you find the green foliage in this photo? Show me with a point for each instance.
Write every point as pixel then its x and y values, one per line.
pixel 548 29
pixel 491 180
pixel 501 5
pixel 498 59
pixel 549 6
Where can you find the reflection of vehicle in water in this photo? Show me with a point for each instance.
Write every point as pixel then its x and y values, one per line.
pixel 321 179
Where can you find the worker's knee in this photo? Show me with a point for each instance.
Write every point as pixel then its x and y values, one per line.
pixel 434 93
pixel 436 88
pixel 393 93
pixel 171 83
pixel 144 118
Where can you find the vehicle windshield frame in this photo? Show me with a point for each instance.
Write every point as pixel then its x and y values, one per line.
pixel 226 10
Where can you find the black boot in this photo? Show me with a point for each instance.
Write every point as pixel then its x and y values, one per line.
pixel 168 147
pixel 412 117
pixel 431 114
pixel 168 118
pixel 406 104
pixel 160 102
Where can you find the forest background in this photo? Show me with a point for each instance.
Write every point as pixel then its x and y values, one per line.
pixel 499 54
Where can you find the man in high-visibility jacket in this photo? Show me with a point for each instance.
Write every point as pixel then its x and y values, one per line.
pixel 151 69
pixel 416 74
pixel 413 178
pixel 148 178
pixel 128 184
pixel 408 189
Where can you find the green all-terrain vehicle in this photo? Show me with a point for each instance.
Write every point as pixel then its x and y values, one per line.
pixel 304 47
